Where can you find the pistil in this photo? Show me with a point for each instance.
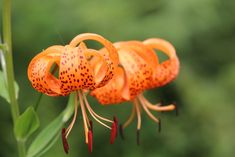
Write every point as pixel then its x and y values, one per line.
pixel 84 116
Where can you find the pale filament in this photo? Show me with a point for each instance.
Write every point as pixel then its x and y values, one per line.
pixel 156 107
pixel 102 118
pixel 138 114
pixel 93 115
pixel 148 112
pixel 84 115
pixel 68 130
pixel 131 118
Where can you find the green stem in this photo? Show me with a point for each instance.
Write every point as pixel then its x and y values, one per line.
pixel 1 45
pixel 8 58
pixel 6 21
pixel 38 101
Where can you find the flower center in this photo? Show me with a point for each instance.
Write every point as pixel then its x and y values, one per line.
pixel 141 102
pixel 88 125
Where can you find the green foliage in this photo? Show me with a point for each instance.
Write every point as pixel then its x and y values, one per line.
pixel 4 90
pixel 26 124
pixel 49 135
pixel 46 137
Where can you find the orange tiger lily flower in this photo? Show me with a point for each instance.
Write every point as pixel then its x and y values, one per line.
pixel 76 74
pixel 149 73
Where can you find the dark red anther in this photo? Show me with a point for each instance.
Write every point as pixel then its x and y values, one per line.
pixel 64 141
pixel 138 137
pixel 113 132
pixel 116 122
pixel 121 131
pixel 91 126
pixel 90 141
pixel 159 125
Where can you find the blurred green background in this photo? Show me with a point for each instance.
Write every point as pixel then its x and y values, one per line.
pixel 203 33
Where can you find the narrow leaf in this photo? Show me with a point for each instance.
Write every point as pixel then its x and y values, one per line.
pixel 51 144
pixel 26 124
pixel 45 137
pixel 48 136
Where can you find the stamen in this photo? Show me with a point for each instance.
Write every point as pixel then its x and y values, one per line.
pixel 94 115
pixel 113 133
pixel 121 131
pixel 176 109
pixel 68 130
pixel 116 123
pixel 148 112
pixel 98 116
pixel 136 104
pixel 159 125
pixel 130 119
pixel 84 116
pixel 151 115
pixel 91 126
pixel 87 119
pixel 90 141
pixel 64 141
pixel 156 107
pixel 138 137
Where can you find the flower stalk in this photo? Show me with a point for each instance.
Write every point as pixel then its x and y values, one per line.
pixel 7 52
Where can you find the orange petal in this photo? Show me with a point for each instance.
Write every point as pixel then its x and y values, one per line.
pixel 107 44
pixel 110 56
pixel 131 79
pixel 169 69
pixel 39 71
pixel 162 45
pixel 75 72
pixel 99 66
pixel 148 54
pixel 111 93
pixel 138 71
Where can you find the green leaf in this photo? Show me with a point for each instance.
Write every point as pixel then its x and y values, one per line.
pixel 51 144
pixel 26 124
pixel 4 90
pixel 45 137
pixel 67 113
pixel 48 136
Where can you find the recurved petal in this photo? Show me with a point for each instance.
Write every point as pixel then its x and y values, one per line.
pixel 109 54
pixel 146 53
pixel 168 70
pixel 115 91
pixel 165 72
pixel 162 45
pixel 39 71
pixel 132 78
pixel 138 71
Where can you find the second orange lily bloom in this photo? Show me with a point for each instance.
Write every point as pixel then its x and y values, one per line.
pixel 140 70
